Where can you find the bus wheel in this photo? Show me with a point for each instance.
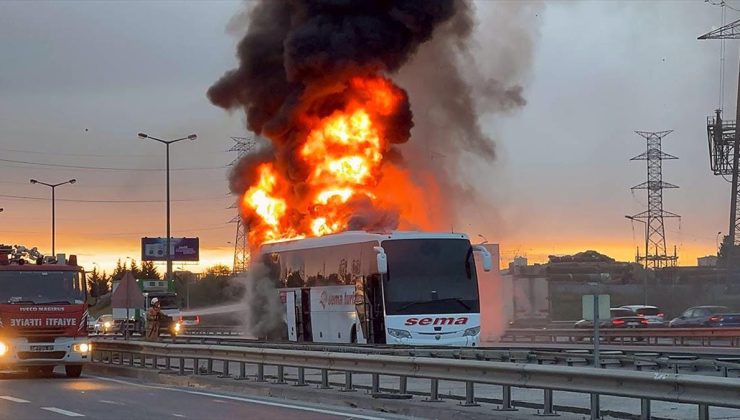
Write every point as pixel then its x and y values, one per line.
pixel 73 371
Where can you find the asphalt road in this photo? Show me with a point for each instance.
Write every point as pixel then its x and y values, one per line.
pixel 25 397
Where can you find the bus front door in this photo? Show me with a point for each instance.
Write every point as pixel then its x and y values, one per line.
pixel 374 295
pixel 304 329
pixel 292 310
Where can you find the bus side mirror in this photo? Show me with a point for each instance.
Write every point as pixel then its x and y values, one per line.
pixel 382 260
pixel 487 264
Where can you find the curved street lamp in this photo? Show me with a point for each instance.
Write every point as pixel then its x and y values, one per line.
pixel 167 143
pixel 53 208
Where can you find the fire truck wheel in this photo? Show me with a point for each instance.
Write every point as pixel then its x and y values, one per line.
pixel 73 371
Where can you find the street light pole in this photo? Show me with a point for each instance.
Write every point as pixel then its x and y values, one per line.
pixel 167 148
pixel 53 209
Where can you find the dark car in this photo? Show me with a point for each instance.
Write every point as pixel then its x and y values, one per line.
pixel 697 316
pixel 620 318
pixel 731 320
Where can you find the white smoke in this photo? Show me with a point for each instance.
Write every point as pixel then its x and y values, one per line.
pixel 262 313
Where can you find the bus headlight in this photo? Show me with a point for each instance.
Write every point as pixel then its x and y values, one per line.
pixel 3 349
pixel 399 333
pixel 82 348
pixel 471 332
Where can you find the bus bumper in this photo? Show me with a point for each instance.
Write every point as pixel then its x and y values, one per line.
pixel 59 351
pixel 433 340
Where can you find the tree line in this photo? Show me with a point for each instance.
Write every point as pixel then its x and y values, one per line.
pixel 100 283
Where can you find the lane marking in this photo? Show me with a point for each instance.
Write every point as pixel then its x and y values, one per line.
pixel 177 415
pixel 64 412
pixel 13 399
pixel 248 400
pixel 112 402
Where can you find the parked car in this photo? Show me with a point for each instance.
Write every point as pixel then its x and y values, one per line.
pixel 619 318
pixel 655 317
pixel 105 324
pixel 697 316
pixel 189 320
pixel 731 320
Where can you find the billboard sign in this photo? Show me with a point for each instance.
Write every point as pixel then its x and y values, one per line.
pixel 181 249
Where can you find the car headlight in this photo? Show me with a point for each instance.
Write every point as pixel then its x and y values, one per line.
pixel 82 348
pixel 177 327
pixel 399 333
pixel 3 349
pixel 470 332
pixel 106 324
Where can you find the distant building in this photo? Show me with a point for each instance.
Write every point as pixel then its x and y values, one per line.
pixel 708 261
pixel 518 262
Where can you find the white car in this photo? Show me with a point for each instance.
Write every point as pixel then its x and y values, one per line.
pixel 189 320
pixel 654 316
pixel 105 324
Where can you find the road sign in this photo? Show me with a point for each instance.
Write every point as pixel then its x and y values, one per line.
pixel 587 303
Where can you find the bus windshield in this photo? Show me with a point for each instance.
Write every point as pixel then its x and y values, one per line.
pixel 430 276
pixel 41 287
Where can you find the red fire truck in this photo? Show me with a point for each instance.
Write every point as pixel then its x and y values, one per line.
pixel 43 312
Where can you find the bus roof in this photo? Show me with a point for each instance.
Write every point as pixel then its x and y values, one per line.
pixel 354 237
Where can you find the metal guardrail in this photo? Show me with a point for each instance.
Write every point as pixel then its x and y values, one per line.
pixel 723 360
pixel 652 336
pixel 704 391
pixel 213 330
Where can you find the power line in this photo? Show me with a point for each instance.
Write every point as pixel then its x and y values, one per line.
pixel 71 200
pixel 96 155
pixel 105 168
pixel 36 152
pixel 721 3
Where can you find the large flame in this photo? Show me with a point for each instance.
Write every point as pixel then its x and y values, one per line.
pixel 343 153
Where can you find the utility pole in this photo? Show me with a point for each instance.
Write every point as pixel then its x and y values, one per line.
pixel 243 146
pixel 654 215
pixel 724 153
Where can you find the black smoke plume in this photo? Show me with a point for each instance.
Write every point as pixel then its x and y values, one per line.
pixel 297 55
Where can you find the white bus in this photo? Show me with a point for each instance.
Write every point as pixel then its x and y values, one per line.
pixel 413 288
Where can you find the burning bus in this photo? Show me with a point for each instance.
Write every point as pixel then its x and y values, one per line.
pixel 43 312
pixel 413 288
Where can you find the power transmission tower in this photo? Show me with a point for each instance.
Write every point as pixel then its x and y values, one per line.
pixel 655 247
pixel 242 145
pixel 724 155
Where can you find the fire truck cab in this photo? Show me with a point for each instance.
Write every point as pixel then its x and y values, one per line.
pixel 43 312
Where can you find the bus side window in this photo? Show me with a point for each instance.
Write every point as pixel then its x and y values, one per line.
pixel 294 279
pixel 272 263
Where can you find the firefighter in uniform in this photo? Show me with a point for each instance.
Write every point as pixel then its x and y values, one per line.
pixel 154 317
